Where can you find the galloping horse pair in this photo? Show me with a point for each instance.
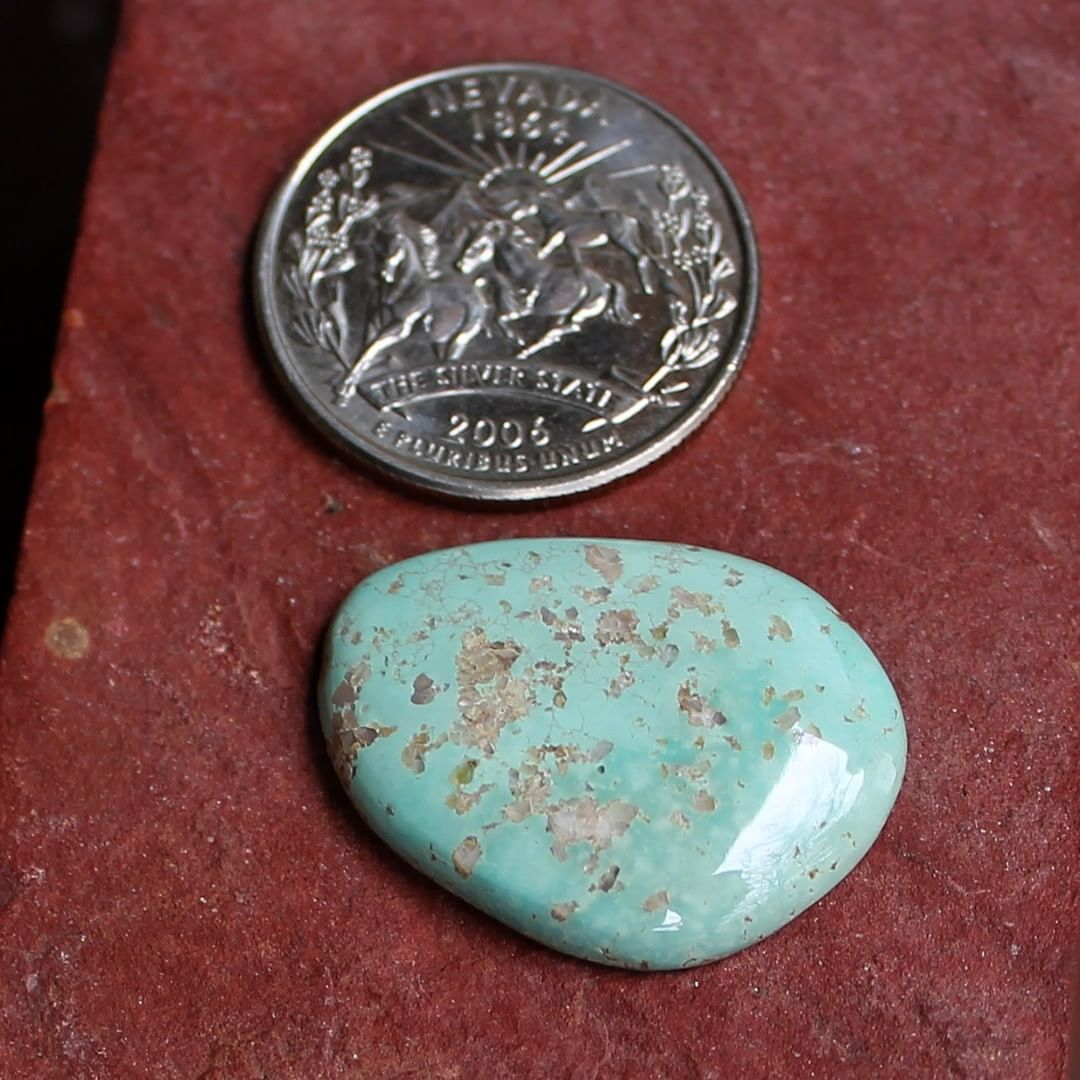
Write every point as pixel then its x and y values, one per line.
pixel 503 273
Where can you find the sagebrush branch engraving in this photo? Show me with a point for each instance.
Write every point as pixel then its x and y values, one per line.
pixel 692 265
pixel 316 259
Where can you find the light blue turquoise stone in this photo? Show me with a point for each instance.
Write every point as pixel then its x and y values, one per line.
pixel 643 754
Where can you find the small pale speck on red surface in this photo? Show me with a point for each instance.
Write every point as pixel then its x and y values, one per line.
pixel 918 303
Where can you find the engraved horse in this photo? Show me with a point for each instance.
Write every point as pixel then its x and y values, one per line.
pixel 567 292
pixel 450 303
pixel 586 221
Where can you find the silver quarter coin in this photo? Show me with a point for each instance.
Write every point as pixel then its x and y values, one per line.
pixel 507 281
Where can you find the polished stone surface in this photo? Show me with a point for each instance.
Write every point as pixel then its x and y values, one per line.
pixel 643 754
pixel 183 886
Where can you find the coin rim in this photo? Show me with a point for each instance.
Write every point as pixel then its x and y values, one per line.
pixel 469 487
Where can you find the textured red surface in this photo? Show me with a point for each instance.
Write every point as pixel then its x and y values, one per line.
pixel 184 892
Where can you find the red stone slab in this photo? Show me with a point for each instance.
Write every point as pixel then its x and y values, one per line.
pixel 183 890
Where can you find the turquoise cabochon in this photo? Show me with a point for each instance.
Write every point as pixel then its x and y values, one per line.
pixel 639 753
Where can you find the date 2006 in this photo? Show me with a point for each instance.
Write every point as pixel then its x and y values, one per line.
pixel 484 432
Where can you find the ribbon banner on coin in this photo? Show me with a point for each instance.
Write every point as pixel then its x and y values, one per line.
pixel 508 281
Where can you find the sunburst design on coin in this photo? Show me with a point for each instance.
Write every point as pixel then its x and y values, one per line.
pixel 507 281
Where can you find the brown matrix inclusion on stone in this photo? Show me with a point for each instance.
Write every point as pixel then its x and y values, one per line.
pixel 582 724
pixel 489 696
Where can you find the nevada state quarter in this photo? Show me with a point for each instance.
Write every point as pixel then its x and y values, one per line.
pixel 507 281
